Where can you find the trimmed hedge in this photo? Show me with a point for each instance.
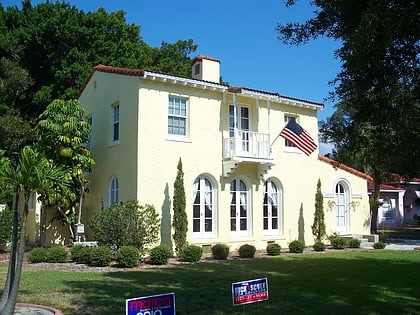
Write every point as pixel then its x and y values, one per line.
pixel 296 246
pixel 247 251
pixel 319 246
pixel 57 254
pixel 160 255
pixel 38 255
pixel 128 257
pixel 191 253
pixel 273 249
pixel 220 251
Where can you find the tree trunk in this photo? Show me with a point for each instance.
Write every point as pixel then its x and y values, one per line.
pixel 377 180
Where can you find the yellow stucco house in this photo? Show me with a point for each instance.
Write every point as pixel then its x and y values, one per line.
pixel 243 183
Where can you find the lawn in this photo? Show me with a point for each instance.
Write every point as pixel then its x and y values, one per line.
pixel 351 282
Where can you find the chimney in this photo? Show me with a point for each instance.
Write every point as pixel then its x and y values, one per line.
pixel 206 68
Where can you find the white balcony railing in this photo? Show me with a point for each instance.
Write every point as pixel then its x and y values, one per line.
pixel 247 144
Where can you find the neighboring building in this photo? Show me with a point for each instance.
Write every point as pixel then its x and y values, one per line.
pixel 400 202
pixel 243 183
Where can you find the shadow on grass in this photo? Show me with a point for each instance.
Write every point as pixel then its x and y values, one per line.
pixel 374 282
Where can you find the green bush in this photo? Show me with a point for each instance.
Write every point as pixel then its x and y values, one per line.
pixel 319 246
pixel 247 251
pixel 338 243
pixel 57 254
pixel 191 253
pixel 160 255
pixel 6 225
pixel 100 256
pixel 296 246
pixel 84 255
pixel 38 255
pixel 354 243
pixel 220 251
pixel 273 249
pixel 379 245
pixel 75 251
pixel 128 257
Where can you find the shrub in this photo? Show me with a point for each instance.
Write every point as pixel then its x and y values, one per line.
pixel 383 237
pixel 160 255
pixel 338 243
pixel 6 225
pixel 128 257
pixel 354 243
pixel 246 251
pixel 273 249
pixel 126 224
pixel 191 253
pixel 379 245
pixel 75 251
pixel 220 251
pixel 296 246
pixel 84 255
pixel 57 254
pixel 100 256
pixel 38 255
pixel 319 246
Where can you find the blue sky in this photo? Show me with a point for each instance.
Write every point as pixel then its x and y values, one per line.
pixel 241 34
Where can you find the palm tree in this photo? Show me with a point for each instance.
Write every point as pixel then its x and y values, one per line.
pixel 33 175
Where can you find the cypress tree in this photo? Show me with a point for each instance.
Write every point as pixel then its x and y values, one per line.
pixel 179 223
pixel 318 228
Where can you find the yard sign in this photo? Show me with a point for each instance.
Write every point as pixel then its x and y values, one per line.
pixel 250 291
pixel 162 304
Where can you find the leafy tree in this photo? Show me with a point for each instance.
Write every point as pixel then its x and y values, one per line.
pixel 180 222
pixel 126 224
pixel 33 174
pixel 6 224
pixel 318 227
pixel 62 136
pixel 376 123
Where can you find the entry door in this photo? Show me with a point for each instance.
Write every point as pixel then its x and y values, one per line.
pixel 342 207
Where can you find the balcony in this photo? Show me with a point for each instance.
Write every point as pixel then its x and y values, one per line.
pixel 247 147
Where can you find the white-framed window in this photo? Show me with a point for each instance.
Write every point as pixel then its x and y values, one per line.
pixel 116 123
pixel 204 208
pixel 89 120
pixel 287 143
pixel 342 206
pixel 239 208
pixel 177 116
pixel 113 190
pixel 272 210
pixel 386 208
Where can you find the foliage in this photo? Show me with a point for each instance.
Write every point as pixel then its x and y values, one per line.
pixel 273 249
pixel 180 222
pixel 247 251
pixel 57 254
pixel 319 246
pixel 383 236
pixel 338 243
pixel 6 225
pixel 191 253
pixel 75 252
pixel 100 256
pixel 220 251
pixel 318 227
pixel 296 246
pixel 354 243
pixel 84 255
pixel 128 257
pixel 126 223
pixel 38 255
pixel 160 255
pixel 379 245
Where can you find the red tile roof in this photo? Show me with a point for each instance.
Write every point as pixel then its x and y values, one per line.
pixel 201 57
pixel 345 167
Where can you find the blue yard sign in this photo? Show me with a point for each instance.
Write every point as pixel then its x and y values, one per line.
pixel 162 304
pixel 250 291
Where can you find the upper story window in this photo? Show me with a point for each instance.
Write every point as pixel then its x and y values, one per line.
pixel 287 143
pixel 116 123
pixel 242 121
pixel 177 116
pixel 89 120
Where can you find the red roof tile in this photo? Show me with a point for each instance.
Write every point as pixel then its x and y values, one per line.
pixel 345 167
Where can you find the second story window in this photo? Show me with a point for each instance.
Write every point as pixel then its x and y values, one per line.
pixel 287 143
pixel 116 124
pixel 89 120
pixel 177 116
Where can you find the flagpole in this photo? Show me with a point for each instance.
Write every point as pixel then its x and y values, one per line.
pixel 274 140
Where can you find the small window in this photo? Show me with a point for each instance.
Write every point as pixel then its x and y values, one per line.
pixel 197 69
pixel 287 143
pixel 113 190
pixel 116 124
pixel 177 116
pixel 89 120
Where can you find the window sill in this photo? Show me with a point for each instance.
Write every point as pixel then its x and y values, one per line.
pixel 114 143
pixel 292 150
pixel 178 138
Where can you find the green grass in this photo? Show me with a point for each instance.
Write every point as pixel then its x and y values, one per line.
pixel 353 282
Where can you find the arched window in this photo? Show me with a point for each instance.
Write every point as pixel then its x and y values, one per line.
pixel 342 206
pixel 204 208
pixel 113 190
pixel 271 209
pixel 239 208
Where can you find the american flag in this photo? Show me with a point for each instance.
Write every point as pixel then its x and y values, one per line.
pixel 299 137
